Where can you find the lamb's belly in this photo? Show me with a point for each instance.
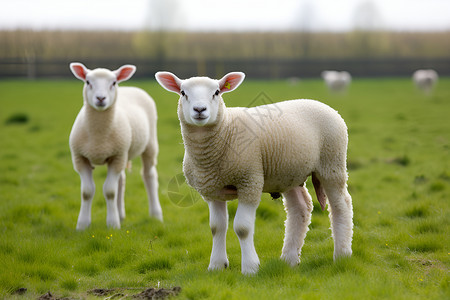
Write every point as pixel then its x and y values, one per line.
pixel 281 175
pixel 100 156
pixel 136 151
pixel 220 192
pixel 99 160
pixel 284 182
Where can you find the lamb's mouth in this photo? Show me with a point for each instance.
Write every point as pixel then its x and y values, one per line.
pixel 200 117
pixel 200 120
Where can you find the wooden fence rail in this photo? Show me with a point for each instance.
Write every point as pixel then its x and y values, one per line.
pixel 34 68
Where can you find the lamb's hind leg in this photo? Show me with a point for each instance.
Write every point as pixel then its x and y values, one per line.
pixel 298 206
pixel 341 217
pixel 150 177
pixel 121 195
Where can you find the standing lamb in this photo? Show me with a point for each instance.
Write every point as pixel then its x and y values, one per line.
pixel 337 81
pixel 425 80
pixel 242 152
pixel 114 125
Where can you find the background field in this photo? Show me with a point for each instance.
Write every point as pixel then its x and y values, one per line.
pixel 399 179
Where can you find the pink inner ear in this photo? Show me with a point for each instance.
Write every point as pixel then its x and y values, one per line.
pixel 169 82
pixel 125 73
pixel 230 83
pixel 79 70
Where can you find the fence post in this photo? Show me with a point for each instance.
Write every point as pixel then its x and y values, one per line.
pixel 30 59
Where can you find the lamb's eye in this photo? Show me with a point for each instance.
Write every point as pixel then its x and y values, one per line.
pixel 217 93
pixel 87 82
pixel 114 83
pixel 183 93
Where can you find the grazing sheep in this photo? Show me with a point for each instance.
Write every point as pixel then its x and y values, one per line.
pixel 114 125
pixel 242 152
pixel 337 81
pixel 425 80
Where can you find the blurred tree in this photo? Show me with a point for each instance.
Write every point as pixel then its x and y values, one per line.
pixel 367 17
pixel 163 17
pixel 305 25
pixel 367 21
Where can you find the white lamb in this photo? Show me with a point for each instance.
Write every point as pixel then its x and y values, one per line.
pixel 425 80
pixel 337 81
pixel 242 152
pixel 114 125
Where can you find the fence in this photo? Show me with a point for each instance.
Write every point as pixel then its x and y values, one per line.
pixel 33 68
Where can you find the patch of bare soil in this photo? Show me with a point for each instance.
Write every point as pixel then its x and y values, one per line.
pixel 153 293
pixel 148 293
pixel 49 296
pixel 101 292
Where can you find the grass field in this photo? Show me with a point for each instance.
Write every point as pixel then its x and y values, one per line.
pixel 399 171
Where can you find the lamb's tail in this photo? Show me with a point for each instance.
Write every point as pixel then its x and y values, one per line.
pixel 129 166
pixel 320 192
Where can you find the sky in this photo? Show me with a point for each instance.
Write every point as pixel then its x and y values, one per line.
pixel 230 15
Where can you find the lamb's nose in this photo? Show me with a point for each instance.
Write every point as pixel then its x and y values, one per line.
pixel 101 98
pixel 199 109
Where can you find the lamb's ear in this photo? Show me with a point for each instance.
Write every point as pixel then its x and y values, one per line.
pixel 79 70
pixel 169 81
pixel 231 81
pixel 124 72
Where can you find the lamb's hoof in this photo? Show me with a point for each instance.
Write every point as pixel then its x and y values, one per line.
pixel 115 224
pixel 219 265
pixel 82 226
pixel 157 216
pixel 343 253
pixel 250 268
pixel 291 259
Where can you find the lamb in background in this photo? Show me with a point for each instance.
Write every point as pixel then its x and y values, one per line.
pixel 114 125
pixel 425 80
pixel 242 152
pixel 336 81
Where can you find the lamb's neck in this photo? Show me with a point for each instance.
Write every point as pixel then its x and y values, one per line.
pixel 100 121
pixel 206 144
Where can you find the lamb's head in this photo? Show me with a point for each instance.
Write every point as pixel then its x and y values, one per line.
pixel 200 97
pixel 100 85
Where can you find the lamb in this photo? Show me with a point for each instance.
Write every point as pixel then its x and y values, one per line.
pixel 425 80
pixel 242 152
pixel 337 81
pixel 114 125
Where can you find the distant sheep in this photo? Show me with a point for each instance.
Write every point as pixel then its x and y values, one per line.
pixel 337 81
pixel 242 152
pixel 114 125
pixel 425 80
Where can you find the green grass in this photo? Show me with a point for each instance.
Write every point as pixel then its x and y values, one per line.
pixel 399 171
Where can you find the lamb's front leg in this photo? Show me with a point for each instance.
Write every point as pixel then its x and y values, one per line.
pixel 218 221
pixel 244 226
pixel 110 191
pixel 87 194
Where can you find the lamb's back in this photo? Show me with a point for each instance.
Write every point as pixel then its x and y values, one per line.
pixel 140 110
pixel 290 138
